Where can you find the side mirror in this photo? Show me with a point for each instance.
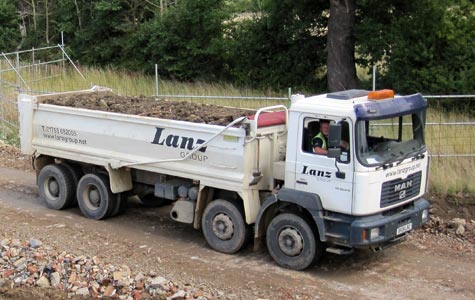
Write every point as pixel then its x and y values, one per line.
pixel 334 152
pixel 334 140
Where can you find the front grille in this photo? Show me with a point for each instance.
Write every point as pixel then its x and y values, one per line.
pixel 398 190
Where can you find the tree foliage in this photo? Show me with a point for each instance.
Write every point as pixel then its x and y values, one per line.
pixel 419 46
pixel 187 42
pixel 282 46
pixel 10 35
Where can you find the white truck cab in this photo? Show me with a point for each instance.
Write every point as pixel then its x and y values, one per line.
pixel 370 193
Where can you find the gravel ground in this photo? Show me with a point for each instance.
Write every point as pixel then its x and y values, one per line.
pixel 31 264
pixel 144 255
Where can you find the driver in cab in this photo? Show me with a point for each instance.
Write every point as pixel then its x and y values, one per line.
pixel 320 141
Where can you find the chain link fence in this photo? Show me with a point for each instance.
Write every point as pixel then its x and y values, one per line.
pixel 25 71
pixel 450 127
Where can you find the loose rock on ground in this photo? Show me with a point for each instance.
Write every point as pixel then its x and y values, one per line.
pixel 32 264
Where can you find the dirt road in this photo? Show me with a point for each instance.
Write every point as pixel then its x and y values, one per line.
pixel 425 266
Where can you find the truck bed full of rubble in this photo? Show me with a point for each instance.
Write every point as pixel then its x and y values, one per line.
pixel 151 107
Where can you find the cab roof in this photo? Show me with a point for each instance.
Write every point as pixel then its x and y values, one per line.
pixel 356 103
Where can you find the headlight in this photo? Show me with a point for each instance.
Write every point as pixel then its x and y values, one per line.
pixel 374 233
pixel 425 215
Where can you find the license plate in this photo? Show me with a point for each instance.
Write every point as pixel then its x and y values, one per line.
pixel 404 228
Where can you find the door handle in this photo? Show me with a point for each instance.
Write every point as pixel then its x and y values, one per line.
pixel 340 175
pixel 302 182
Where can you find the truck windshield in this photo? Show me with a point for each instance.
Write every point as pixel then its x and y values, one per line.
pixel 381 142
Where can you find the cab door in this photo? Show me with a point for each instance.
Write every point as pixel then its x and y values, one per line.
pixel 318 174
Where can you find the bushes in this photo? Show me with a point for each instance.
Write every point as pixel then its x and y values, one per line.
pixel 10 35
pixel 187 41
pixel 425 46
pixel 280 48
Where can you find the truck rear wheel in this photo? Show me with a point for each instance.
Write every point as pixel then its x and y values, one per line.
pixel 56 186
pixel 95 198
pixel 291 242
pixel 121 204
pixel 76 174
pixel 224 227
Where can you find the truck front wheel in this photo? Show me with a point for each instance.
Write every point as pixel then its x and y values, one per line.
pixel 95 198
pixel 224 227
pixel 56 186
pixel 291 242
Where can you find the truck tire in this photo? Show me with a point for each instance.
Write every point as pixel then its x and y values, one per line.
pixel 95 198
pixel 56 186
pixel 291 242
pixel 121 204
pixel 76 174
pixel 224 227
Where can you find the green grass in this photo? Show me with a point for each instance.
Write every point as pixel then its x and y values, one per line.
pixel 452 175
pixel 447 174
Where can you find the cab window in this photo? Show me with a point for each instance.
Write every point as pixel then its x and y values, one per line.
pixel 311 128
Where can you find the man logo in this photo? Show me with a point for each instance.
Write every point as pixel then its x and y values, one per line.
pixel 402 188
pixel 402 194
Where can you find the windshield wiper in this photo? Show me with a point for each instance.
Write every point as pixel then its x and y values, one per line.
pixel 413 152
pixel 405 156
pixel 388 162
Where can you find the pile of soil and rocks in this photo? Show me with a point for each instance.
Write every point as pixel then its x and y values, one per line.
pixel 459 228
pixel 26 264
pixel 452 216
pixel 151 107
pixel 11 157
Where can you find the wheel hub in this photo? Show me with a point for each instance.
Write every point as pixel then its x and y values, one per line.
pixel 223 226
pixel 94 197
pixel 53 187
pixel 290 241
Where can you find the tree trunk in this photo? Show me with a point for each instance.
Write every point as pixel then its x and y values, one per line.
pixel 33 8
pixel 341 46
pixel 47 21
pixel 78 12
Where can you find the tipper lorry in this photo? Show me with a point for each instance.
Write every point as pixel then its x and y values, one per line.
pixel 258 177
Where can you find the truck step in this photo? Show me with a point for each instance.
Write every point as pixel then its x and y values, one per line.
pixel 336 219
pixel 340 250
pixel 335 235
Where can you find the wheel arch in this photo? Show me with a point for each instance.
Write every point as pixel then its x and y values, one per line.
pixel 207 194
pixel 40 161
pixel 307 204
